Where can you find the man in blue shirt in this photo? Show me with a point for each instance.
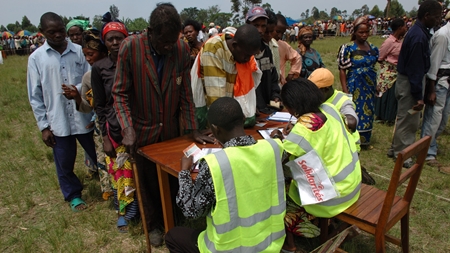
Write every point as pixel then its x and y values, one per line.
pixel 57 63
pixel 413 64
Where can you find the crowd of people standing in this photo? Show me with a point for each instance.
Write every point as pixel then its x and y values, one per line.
pixel 123 92
pixel 21 45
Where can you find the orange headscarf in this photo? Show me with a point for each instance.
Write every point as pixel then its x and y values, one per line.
pixel 304 30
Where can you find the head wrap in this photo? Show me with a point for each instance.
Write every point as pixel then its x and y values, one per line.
pixel 83 24
pixel 114 26
pixel 304 30
pixel 322 78
pixel 91 40
pixel 358 21
pixel 110 24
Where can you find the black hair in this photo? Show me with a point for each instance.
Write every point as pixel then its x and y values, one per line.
pixel 193 23
pixel 397 23
pixel 302 96
pixel 428 6
pixel 272 17
pixel 226 113
pixel 281 19
pixel 49 16
pixel 165 16
pixel 247 37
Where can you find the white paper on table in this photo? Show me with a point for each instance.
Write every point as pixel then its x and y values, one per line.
pixel 204 152
pixel 282 116
pixel 265 133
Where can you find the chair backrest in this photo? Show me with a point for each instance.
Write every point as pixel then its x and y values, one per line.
pixel 418 149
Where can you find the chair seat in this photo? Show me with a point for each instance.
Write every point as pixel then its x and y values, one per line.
pixel 367 209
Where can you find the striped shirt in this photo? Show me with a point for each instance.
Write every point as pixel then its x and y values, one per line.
pixel 151 107
pixel 218 68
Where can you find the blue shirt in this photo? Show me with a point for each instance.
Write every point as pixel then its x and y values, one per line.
pixel 47 71
pixel 414 58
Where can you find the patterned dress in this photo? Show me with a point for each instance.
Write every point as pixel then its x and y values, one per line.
pixel 361 83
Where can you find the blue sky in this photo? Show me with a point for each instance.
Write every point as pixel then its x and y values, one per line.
pixel 15 10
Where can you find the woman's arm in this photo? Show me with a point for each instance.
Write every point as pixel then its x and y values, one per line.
pixel 343 79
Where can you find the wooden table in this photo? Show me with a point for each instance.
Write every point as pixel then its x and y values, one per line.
pixel 167 156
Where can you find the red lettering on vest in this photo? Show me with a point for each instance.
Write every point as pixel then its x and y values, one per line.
pixel 310 177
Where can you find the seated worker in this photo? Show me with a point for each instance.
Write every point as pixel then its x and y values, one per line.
pixel 268 88
pixel 318 124
pixel 324 79
pixel 226 188
pixel 222 69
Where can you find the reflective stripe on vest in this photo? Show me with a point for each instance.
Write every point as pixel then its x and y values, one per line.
pixel 235 221
pixel 227 175
pixel 337 98
pixel 305 145
pixel 250 249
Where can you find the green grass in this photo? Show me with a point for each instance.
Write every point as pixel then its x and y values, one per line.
pixel 35 218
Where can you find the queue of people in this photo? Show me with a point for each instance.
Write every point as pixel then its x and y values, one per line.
pixel 127 92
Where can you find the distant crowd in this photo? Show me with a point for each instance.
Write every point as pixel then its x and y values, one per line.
pixel 21 45
pixel 114 93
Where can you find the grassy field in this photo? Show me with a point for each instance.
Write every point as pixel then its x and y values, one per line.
pixel 36 219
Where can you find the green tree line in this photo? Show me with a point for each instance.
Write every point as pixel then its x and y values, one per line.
pixel 236 17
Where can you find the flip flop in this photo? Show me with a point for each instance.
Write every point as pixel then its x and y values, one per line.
pixel 122 225
pixel 76 202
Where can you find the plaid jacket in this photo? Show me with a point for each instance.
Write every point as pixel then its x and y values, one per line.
pixel 153 108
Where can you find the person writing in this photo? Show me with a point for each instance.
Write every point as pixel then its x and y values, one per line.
pixel 317 123
pixel 226 188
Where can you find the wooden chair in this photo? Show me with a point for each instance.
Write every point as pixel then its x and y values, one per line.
pixel 377 211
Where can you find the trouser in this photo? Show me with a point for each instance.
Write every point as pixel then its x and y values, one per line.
pixel 435 117
pixel 64 153
pixel 407 124
pixel 182 240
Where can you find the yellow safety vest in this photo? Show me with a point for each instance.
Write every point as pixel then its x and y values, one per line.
pixel 337 99
pixel 250 200
pixel 338 153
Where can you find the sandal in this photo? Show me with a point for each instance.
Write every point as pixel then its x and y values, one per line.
pixel 77 202
pixel 122 225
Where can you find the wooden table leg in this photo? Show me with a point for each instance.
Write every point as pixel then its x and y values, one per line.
pixel 141 207
pixel 166 200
